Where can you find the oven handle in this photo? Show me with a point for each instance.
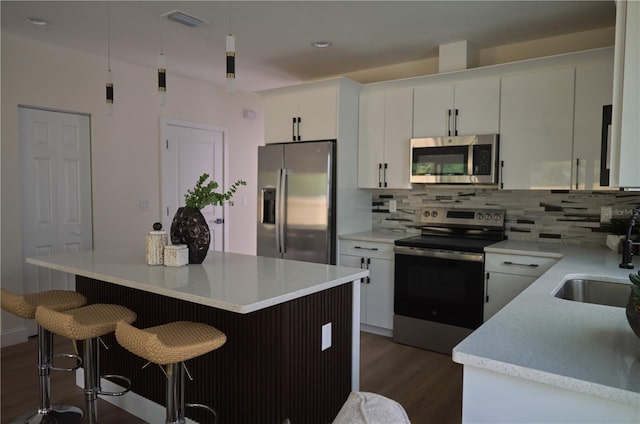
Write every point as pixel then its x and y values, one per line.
pixel 440 254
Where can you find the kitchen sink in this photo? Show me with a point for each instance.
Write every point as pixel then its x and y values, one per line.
pixel 594 291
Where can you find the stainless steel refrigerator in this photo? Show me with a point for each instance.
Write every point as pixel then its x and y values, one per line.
pixel 296 201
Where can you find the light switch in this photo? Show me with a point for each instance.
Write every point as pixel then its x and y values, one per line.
pixel 145 205
pixel 326 336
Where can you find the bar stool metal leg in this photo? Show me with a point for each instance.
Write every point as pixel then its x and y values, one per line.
pixel 47 414
pixel 175 393
pixel 91 379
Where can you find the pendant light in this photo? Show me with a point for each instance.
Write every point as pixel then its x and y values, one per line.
pixel 109 84
pixel 162 71
pixel 231 63
pixel 231 58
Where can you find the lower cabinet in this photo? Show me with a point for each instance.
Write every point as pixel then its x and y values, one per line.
pixel 376 291
pixel 507 275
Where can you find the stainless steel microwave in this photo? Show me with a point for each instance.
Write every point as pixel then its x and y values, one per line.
pixel 471 159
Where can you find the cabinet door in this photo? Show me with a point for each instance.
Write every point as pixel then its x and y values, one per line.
pixel 279 111
pixel 625 131
pixel 379 302
pixel 536 129
pixel 502 289
pixel 370 139
pixel 318 111
pixel 398 118
pixel 594 85
pixel 478 104
pixel 431 106
pixel 355 262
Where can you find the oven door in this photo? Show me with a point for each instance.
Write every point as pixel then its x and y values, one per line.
pixel 440 286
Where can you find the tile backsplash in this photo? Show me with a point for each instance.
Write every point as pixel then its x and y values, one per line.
pixel 546 216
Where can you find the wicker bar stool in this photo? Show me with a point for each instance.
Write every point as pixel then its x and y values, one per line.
pixel 170 345
pixel 88 323
pixel 25 306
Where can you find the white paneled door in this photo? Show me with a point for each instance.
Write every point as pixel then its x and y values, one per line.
pixel 55 152
pixel 188 151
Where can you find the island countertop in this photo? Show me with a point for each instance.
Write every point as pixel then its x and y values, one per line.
pixel 229 281
pixel 582 347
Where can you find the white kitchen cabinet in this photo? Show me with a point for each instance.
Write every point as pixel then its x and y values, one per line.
pixel 507 275
pixel 385 125
pixel 536 129
pixel 625 130
pixel 462 108
pixel 307 114
pixel 594 86
pixel 376 294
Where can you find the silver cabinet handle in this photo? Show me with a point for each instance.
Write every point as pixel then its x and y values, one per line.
pixel 379 171
pixel 520 264
pixel 365 248
pixel 448 121
pixel 577 171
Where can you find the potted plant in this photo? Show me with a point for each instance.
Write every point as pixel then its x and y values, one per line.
pixel 633 306
pixel 189 225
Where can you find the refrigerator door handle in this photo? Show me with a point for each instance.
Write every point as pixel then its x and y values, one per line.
pixel 278 211
pixel 282 218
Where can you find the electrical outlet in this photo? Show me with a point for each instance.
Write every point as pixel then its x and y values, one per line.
pixel 145 205
pixel 326 336
pixel 392 206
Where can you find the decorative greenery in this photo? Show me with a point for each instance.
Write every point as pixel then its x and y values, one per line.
pixel 203 195
pixel 635 288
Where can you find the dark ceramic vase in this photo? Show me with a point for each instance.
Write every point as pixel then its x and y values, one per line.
pixel 633 316
pixel 189 227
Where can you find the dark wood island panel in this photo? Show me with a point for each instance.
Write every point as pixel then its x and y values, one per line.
pixel 271 367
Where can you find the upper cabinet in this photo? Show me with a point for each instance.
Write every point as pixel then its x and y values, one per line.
pixel 594 82
pixel 462 108
pixel 536 129
pixel 383 140
pixel 625 131
pixel 307 114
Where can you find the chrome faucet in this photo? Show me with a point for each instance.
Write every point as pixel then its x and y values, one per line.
pixel 627 244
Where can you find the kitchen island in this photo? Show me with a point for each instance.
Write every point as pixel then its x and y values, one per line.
pixel 546 359
pixel 273 366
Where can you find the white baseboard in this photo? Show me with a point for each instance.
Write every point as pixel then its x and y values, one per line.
pixel 376 330
pixel 13 337
pixel 131 402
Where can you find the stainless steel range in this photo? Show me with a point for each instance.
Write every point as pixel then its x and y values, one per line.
pixel 439 276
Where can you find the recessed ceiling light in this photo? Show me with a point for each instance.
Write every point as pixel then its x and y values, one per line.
pixel 37 21
pixel 322 44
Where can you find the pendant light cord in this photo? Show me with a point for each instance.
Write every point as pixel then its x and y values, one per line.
pixel 109 35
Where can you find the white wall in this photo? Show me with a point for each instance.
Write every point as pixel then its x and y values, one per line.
pixel 125 147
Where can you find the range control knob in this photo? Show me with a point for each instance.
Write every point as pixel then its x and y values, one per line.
pixel 479 215
pixel 426 214
pixel 497 217
pixel 434 214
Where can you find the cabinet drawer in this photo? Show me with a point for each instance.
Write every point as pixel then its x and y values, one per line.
pixel 533 266
pixel 367 249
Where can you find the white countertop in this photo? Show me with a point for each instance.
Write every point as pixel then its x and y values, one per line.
pixel 229 281
pixel 582 347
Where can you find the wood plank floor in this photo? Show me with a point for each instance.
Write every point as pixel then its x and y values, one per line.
pixel 427 384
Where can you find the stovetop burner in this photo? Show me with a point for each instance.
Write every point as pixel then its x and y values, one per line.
pixel 446 243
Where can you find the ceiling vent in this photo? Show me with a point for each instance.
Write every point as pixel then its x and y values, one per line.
pixel 185 19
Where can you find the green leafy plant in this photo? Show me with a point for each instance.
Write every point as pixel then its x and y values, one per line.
pixel 635 288
pixel 203 195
